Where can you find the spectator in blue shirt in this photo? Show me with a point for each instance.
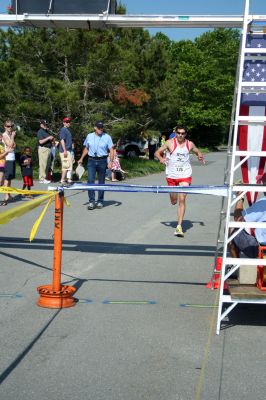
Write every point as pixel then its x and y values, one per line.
pixel 173 134
pixel 98 145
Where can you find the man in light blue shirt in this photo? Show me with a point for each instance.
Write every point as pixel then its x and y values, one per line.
pixel 98 145
pixel 257 213
pixel 244 241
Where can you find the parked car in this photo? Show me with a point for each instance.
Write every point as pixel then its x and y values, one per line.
pixel 131 149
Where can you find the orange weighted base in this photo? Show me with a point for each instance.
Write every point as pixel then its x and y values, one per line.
pixel 56 299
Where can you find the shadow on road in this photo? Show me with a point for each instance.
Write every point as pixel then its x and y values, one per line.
pixel 27 349
pixel 186 225
pixel 109 247
pixel 78 282
pixel 108 203
pixel 247 315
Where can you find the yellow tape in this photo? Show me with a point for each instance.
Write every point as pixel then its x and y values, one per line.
pixel 39 219
pixel 4 189
pixel 66 202
pixel 15 212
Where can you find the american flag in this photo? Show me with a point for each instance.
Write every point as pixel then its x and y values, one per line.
pixel 253 103
pixel 255 71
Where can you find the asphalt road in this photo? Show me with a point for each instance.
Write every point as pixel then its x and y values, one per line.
pixel 147 347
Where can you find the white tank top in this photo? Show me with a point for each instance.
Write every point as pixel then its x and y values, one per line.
pixel 178 161
pixel 10 156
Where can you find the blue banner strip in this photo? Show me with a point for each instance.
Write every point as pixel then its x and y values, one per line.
pixel 207 190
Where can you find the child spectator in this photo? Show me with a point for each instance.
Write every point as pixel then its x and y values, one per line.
pixel 117 171
pixel 162 139
pixel 27 169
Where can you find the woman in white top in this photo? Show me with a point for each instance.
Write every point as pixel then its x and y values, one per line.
pixel 175 155
pixel 10 165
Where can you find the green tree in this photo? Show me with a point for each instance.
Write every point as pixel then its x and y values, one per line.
pixel 205 74
pixel 133 81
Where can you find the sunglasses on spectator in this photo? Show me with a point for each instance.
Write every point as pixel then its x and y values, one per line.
pixel 181 133
pixel 9 126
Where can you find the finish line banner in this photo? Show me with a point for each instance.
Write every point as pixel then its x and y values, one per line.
pixel 48 196
pixel 208 190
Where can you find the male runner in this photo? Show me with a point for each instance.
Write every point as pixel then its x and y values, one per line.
pixel 175 155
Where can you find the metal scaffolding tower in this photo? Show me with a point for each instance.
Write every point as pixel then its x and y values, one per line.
pixel 251 53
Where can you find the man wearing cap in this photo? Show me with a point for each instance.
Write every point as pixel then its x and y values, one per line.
pixel 65 147
pixel 98 145
pixel 44 151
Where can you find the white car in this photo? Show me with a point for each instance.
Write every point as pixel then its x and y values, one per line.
pixel 131 149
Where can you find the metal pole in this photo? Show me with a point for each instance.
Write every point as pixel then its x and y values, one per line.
pixel 58 234
pixel 57 295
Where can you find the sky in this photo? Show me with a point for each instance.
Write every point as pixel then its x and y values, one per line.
pixel 183 7
pixel 191 7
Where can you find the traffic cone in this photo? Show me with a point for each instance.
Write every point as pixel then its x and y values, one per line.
pixel 218 275
pixel 214 282
pixel 209 284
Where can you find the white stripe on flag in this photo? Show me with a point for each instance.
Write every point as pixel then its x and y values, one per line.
pixel 254 143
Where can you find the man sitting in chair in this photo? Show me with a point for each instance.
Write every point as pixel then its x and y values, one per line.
pixel 244 241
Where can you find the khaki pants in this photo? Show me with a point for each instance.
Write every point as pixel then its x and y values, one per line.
pixel 44 154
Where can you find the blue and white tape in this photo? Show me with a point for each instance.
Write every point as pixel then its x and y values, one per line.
pixel 206 189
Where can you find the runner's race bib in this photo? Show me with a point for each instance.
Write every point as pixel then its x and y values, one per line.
pixel 180 169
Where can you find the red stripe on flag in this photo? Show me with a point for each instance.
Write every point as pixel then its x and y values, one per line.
pixel 243 144
pixel 243 131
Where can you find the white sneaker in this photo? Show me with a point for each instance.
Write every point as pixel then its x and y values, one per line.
pixel 91 206
pixel 179 232
pixel 45 181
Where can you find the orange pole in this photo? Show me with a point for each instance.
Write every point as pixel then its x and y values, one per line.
pixel 57 295
pixel 58 234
